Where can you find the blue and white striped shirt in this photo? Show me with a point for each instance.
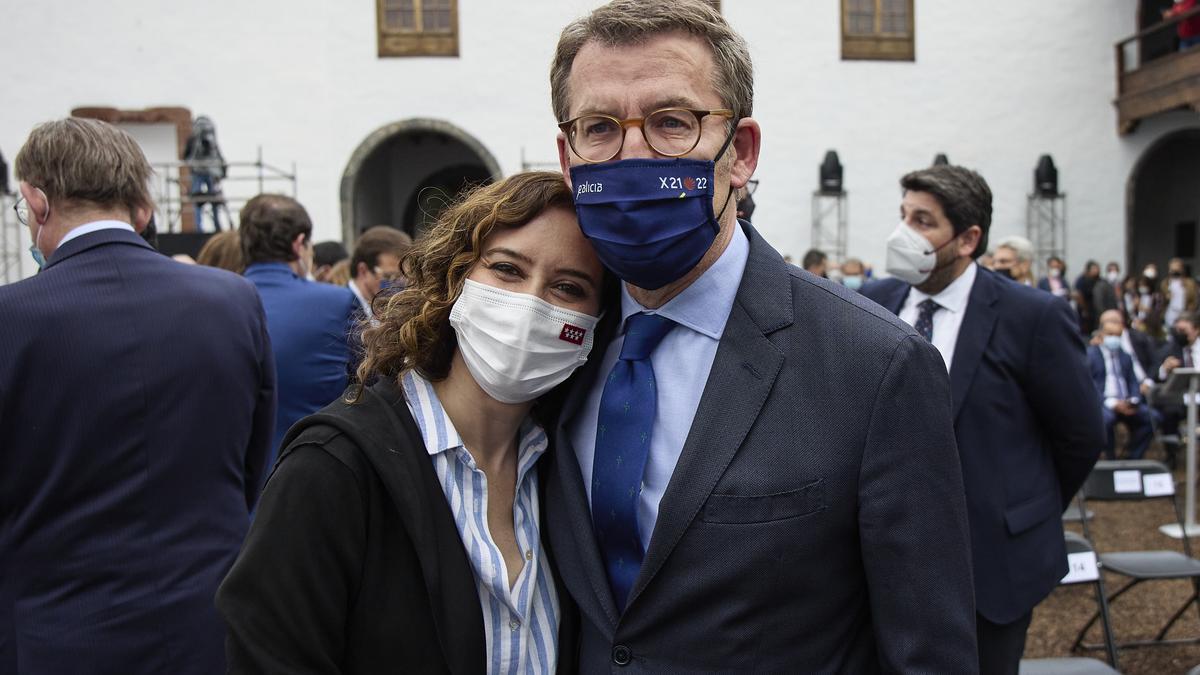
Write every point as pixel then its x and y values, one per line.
pixel 520 625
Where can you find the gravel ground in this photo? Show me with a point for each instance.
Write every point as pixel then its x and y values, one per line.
pixel 1140 613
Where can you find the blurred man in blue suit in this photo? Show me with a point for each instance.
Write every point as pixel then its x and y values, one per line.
pixel 1026 415
pixel 310 323
pixel 136 412
pixel 1117 384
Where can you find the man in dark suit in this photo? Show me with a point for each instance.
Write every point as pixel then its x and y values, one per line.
pixel 310 322
pixel 1027 418
pixel 756 471
pixel 1119 388
pixel 136 411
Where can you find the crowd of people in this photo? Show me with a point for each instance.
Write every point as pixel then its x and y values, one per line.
pixel 589 421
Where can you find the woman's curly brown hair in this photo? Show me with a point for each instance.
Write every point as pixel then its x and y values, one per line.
pixel 413 330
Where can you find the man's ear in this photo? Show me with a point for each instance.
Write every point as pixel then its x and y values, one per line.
pixel 746 142
pixel 39 207
pixel 298 245
pixel 360 269
pixel 564 159
pixel 969 240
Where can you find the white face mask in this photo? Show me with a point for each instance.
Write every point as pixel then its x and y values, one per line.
pixel 910 257
pixel 516 346
pixel 1114 277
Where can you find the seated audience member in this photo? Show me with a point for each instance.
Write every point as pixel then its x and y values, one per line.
pixel 223 250
pixel 1182 350
pixel 326 254
pixel 1055 280
pixel 815 262
pixel 136 412
pixel 375 264
pixel 309 322
pixel 1141 348
pixel 854 275
pixel 1014 258
pixel 1114 376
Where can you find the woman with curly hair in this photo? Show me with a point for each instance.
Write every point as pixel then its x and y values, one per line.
pixel 401 528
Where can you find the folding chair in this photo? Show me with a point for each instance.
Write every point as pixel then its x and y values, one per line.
pixel 1139 480
pixel 1083 568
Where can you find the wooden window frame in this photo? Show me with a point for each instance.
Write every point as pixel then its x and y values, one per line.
pixel 416 42
pixel 878 46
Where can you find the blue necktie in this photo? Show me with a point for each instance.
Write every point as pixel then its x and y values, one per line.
pixel 925 318
pixel 1119 376
pixel 626 421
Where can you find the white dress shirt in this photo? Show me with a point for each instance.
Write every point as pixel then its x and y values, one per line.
pixel 1138 371
pixel 95 226
pixel 362 299
pixel 947 320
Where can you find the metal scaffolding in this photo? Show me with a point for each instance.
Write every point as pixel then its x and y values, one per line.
pixel 1046 227
pixel 243 180
pixel 830 214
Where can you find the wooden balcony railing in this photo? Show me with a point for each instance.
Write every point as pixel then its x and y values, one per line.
pixel 1150 87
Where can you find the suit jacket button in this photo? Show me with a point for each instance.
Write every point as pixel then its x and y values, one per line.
pixel 622 655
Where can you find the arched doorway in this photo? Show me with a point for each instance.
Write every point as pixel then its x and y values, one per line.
pixel 1163 209
pixel 405 172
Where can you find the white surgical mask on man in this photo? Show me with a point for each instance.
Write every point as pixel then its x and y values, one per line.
pixel 910 256
pixel 516 346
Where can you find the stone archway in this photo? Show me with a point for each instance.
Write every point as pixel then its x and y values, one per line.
pixel 1162 204
pixel 396 165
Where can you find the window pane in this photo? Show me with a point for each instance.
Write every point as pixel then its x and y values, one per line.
pixel 860 17
pixel 435 16
pixel 894 17
pixel 399 15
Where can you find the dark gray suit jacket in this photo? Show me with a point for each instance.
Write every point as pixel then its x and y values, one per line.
pixel 815 521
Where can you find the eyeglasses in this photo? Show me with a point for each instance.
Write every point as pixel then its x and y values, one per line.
pixel 22 210
pixel 671 132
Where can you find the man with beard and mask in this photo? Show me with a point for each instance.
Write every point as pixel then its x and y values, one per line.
pixel 746 420
pixel 1027 417
pixel 310 322
pixel 1182 350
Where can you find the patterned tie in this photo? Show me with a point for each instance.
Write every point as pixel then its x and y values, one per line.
pixel 925 318
pixel 626 421
pixel 1119 376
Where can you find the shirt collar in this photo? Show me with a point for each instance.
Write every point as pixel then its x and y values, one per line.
pixel 95 226
pixel 955 296
pixel 362 300
pixel 703 306
pixel 438 431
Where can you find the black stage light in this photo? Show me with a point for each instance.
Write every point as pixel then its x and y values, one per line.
pixel 831 174
pixel 940 159
pixel 1045 177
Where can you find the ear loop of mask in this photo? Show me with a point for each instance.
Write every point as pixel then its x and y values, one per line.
pixel 38 237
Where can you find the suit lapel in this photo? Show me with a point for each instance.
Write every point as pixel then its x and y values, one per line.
pixel 743 372
pixel 973 336
pixel 571 511
pixel 894 299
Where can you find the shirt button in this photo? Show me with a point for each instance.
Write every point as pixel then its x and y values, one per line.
pixel 622 655
pixel 529 554
pixel 514 624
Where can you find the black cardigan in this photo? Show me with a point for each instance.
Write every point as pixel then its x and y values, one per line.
pixel 353 563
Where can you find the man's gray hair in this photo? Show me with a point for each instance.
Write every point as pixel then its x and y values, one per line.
pixel 629 22
pixel 1020 246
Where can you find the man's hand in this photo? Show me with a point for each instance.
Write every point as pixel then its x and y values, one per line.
pixel 1145 389
pixel 1125 408
pixel 1171 363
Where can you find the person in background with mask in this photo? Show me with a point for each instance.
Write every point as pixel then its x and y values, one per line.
pixel 1027 418
pixel 1114 372
pixel 854 275
pixel 1182 350
pixel 1112 273
pixel 816 262
pixel 746 420
pixel 1055 280
pixel 402 527
pixel 326 254
pixel 1179 292
pixel 310 322
pixel 1014 258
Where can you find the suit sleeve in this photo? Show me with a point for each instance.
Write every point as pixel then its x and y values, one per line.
pixel 1065 403
pixel 286 599
pixel 262 435
pixel 913 520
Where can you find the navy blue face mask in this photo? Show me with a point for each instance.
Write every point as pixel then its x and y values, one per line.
pixel 650 220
